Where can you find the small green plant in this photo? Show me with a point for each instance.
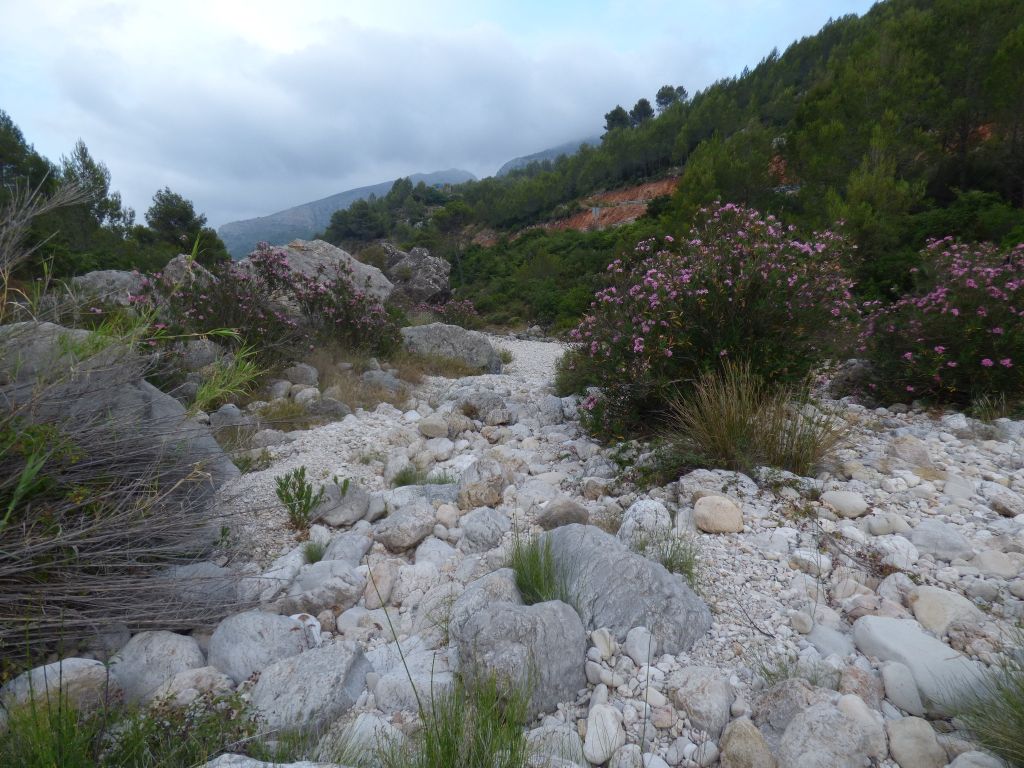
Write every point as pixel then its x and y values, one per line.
pixel 677 552
pixel 995 714
pixel 776 670
pixel 989 407
pixel 734 419
pixel 472 725
pixel 538 577
pixel 506 356
pixel 412 476
pixel 247 462
pixel 314 551
pixel 296 493
pixel 228 380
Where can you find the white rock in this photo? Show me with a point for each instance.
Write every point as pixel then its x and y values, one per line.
pixel 640 645
pixel 937 608
pixel 913 744
pixel 717 514
pixel 900 687
pixel 605 733
pixel 845 503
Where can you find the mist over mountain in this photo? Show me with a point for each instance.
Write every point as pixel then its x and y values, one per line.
pixel 306 220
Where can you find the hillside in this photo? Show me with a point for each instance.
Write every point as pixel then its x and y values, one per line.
pixel 305 220
pixel 568 149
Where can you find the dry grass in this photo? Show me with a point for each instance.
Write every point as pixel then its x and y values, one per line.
pixel 287 416
pixel 735 420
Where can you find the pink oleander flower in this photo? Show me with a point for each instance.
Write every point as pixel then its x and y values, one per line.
pixel 987 362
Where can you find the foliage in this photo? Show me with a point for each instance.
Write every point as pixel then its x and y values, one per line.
pixel 733 419
pixel 173 220
pixel 296 493
pixel 227 380
pixel 313 551
pixel 470 726
pixel 52 733
pixel 254 299
pixel 959 336
pixel 677 552
pixel 740 288
pixel 410 475
pixel 454 312
pixel 995 715
pixel 538 577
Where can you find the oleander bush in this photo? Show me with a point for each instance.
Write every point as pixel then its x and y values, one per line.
pixel 740 287
pixel 276 310
pixel 960 336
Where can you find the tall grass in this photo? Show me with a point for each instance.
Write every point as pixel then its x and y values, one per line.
pixel 228 380
pixel 734 419
pixel 538 576
pixel 995 715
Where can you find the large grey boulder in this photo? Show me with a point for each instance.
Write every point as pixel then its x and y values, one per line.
pixel 69 375
pixel 331 584
pixel 151 659
pixel 419 276
pixel 616 588
pixel 350 546
pixel 454 342
pixel 496 587
pixel 85 684
pixel 940 540
pixel 943 675
pixel 248 642
pixel 406 527
pixel 342 504
pixel 317 259
pixel 482 529
pixel 823 737
pixel 541 647
pixel 312 689
pixel 108 286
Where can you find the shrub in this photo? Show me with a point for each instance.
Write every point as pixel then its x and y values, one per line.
pixel 276 310
pixel 296 493
pixel 734 419
pixel 742 287
pixel 227 380
pixel 960 336
pixel 538 577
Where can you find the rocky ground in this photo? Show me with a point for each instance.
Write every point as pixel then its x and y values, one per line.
pixel 833 618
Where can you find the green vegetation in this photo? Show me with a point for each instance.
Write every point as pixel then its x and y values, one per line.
pixel 538 577
pixel 470 726
pixel 411 475
pixel 995 716
pixel 227 381
pixel 734 419
pixel 677 552
pixel 314 551
pixel 296 493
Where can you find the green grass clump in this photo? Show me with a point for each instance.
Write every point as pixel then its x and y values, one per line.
pixel 734 420
pixel 478 725
pixel 506 356
pixel 314 551
pixel 228 380
pixel 538 577
pixel 995 715
pixel 55 735
pixel 678 553
pixel 296 493
pixel 412 476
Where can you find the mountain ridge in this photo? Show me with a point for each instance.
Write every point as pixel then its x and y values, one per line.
pixel 305 220
pixel 552 153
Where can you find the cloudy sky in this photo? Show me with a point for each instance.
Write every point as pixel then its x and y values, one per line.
pixel 250 106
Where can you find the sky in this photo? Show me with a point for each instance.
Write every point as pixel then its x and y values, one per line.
pixel 247 107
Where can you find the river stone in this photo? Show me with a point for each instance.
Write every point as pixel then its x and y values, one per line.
pixel 437 339
pixel 151 658
pixel 482 529
pixel 311 689
pixel 605 733
pixel 845 503
pixel 406 527
pixel 560 511
pixel 247 642
pixel 482 484
pixel 619 589
pixel 940 540
pixel 540 646
pixel 86 684
pixel 342 504
pixel 705 695
pixel 187 686
pixel 325 584
pixel 936 609
pixel 913 744
pixel 823 737
pixel 743 746
pixel 644 519
pixel 942 675
pixel 717 514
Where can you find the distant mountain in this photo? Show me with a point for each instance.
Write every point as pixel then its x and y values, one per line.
pixel 306 220
pixel 569 148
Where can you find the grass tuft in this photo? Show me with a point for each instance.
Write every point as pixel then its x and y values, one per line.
pixel 228 381
pixel 677 552
pixel 995 715
pixel 734 420
pixel 412 476
pixel 314 551
pixel 470 726
pixel 538 577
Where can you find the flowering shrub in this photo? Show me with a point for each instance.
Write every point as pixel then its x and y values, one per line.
pixel 276 310
pixel 960 336
pixel 742 287
pixel 455 312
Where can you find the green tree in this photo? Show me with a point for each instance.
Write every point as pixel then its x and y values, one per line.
pixel 616 119
pixel 668 95
pixel 173 220
pixel 641 113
